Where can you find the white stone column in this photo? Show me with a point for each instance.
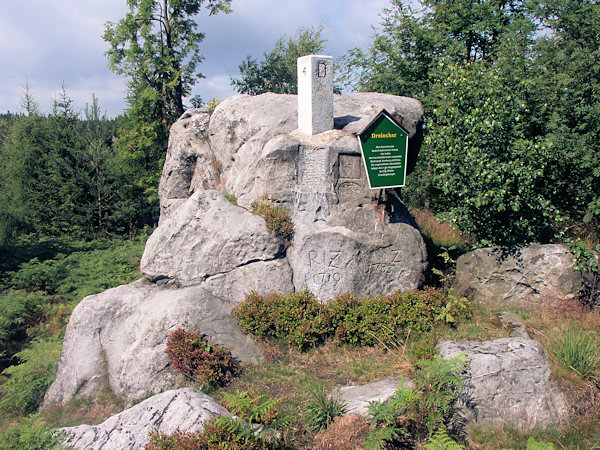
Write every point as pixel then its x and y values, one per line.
pixel 315 94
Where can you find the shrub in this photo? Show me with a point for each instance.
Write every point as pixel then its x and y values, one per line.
pixel 321 409
pixel 578 351
pixel 297 318
pixel 28 382
pixel 19 310
pixel 199 360
pixel 277 218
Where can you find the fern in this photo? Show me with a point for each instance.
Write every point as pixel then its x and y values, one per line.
pixel 441 441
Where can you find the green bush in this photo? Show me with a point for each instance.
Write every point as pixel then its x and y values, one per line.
pixel 19 310
pixel 578 351
pixel 299 319
pixel 30 434
pixel 27 383
pixel 277 218
pixel 199 360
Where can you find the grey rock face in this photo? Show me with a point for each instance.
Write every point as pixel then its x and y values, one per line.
pixel 207 236
pixel 344 241
pixel 182 409
pixel 188 152
pixel 117 339
pixel 508 382
pixel 526 276
pixel 357 398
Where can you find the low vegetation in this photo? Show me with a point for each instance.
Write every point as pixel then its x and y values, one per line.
pixel 300 319
pixel 277 218
pixel 193 356
pixel 41 281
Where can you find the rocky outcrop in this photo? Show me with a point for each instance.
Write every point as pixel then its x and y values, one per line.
pixel 519 277
pixel 183 410
pixel 507 382
pixel 357 398
pixel 208 252
pixel 344 240
pixel 117 340
pixel 210 236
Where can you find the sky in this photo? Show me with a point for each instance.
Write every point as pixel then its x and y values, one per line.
pixel 48 44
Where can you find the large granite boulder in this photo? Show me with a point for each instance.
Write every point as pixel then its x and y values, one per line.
pixel 520 277
pixel 208 236
pixel 117 340
pixel 208 252
pixel 507 382
pixel 345 240
pixel 183 409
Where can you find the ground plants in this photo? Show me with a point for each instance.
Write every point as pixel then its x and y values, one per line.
pixel 578 351
pixel 417 414
pixel 193 356
pixel 321 409
pixel 299 319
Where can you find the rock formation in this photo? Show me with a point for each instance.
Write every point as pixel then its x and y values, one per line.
pixel 507 382
pixel 183 410
pixel 208 252
pixel 117 339
pixel 250 147
pixel 521 277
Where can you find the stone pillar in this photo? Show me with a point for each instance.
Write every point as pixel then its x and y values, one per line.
pixel 315 94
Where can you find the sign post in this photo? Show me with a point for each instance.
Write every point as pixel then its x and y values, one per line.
pixel 384 147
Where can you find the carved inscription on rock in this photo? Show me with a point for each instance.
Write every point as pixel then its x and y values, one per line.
pixel 350 166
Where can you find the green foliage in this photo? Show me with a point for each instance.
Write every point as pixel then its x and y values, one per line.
pixel 588 263
pixel 156 46
pixel 63 175
pixel 321 409
pixel 254 408
pixel 19 310
pixel 532 444
pixel 197 359
pixel 477 121
pixel 299 319
pixel 84 268
pixel 39 285
pixel 441 441
pixel 219 433
pixel 278 72
pixel 427 409
pixel 30 434
pixel 277 218
pixel 579 351
pixel 27 383
pixel 509 90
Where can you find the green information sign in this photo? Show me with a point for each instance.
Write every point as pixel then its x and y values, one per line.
pixel 384 146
